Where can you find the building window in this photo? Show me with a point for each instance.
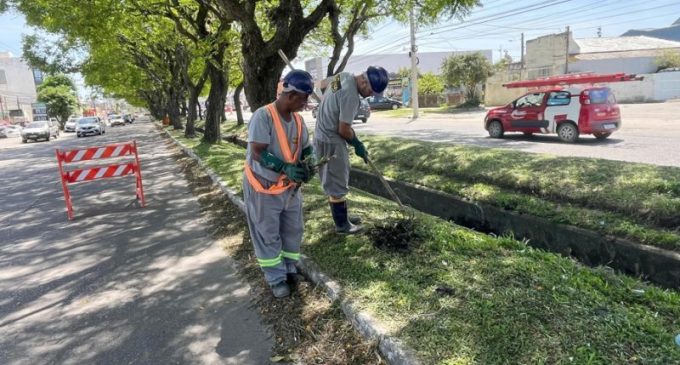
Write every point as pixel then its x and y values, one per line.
pixel 37 76
pixel 3 78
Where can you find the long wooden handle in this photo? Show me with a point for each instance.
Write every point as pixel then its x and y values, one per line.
pixel 385 184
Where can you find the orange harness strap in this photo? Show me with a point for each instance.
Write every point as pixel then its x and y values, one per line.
pixel 282 184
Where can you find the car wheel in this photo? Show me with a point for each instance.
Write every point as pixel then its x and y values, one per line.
pixel 48 138
pixel 602 136
pixel 567 132
pixel 364 120
pixel 78 135
pixel 24 140
pixel 395 106
pixel 495 129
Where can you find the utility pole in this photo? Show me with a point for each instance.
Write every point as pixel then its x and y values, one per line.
pixel 522 54
pixel 414 66
pixel 566 53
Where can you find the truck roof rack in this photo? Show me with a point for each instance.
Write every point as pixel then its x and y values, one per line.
pixel 572 79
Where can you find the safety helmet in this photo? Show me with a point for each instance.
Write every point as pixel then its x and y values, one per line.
pixel 378 78
pixel 300 81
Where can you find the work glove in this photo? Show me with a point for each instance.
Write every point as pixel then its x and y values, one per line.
pixel 359 148
pixel 310 169
pixel 295 173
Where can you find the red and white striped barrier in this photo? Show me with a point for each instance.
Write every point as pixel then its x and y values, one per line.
pixel 99 172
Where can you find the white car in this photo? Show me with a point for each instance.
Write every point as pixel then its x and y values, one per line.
pixel 39 130
pixel 7 131
pixel 115 120
pixel 90 126
pixel 70 125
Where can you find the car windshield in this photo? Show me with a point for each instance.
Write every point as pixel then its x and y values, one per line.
pixel 37 125
pixel 87 121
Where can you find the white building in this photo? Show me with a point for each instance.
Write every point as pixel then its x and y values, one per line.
pixel 392 62
pixel 17 87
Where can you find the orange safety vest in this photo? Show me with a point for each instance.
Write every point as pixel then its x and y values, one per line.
pixel 282 184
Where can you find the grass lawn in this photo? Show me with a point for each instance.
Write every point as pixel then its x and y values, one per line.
pixel 408 112
pixel 461 297
pixel 646 192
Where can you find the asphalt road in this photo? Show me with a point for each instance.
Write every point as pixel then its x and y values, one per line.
pixel 120 284
pixel 650 134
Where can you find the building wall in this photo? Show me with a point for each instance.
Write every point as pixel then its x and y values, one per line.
pixel 428 61
pixel 495 94
pixel 17 87
pixel 546 56
pixel 635 65
pixel 661 86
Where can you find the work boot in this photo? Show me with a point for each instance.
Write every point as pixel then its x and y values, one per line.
pixel 281 290
pixel 342 224
pixel 293 279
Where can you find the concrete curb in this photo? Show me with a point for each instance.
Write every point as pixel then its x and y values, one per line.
pixel 392 349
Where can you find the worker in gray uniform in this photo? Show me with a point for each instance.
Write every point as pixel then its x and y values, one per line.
pixel 333 133
pixel 278 147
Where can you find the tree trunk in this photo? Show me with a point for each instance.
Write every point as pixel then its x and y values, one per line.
pixel 237 104
pixel 190 131
pixel 173 109
pixel 261 77
pixel 200 110
pixel 215 112
pixel 183 110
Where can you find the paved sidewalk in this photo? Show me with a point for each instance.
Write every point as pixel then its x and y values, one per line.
pixel 120 284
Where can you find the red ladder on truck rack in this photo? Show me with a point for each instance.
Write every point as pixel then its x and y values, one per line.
pixel 584 78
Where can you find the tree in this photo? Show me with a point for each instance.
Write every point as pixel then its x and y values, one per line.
pixel 668 59
pixel 431 84
pixel 468 71
pixel 58 93
pixel 265 27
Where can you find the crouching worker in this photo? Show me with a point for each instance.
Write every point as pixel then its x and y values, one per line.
pixel 278 149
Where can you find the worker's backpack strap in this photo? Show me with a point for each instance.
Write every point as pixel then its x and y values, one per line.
pixel 282 184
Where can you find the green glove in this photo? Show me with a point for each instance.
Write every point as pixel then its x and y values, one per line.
pixel 271 162
pixel 310 169
pixel 359 148
pixel 295 173
pixel 308 153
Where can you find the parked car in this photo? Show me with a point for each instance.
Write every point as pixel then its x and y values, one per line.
pixel 384 103
pixel 90 126
pixel 129 118
pixel 7 131
pixel 363 113
pixel 115 119
pixel 567 112
pixel 70 125
pixel 40 130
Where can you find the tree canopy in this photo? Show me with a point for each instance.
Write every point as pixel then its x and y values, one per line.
pixel 468 71
pixel 59 94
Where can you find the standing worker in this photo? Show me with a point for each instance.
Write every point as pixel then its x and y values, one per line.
pixel 334 131
pixel 278 147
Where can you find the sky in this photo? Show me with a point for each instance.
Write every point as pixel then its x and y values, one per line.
pixel 497 25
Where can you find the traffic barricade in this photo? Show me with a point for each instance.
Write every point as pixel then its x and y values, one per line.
pixel 79 175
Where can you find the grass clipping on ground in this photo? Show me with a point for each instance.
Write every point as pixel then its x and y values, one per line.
pixel 637 201
pixel 461 297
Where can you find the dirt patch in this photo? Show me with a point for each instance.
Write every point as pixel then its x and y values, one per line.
pixel 396 234
pixel 307 327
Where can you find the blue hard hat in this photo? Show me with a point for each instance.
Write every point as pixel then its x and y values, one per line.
pixel 300 81
pixel 378 78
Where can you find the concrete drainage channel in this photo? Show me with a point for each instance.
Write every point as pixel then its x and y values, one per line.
pixel 392 349
pixel 591 248
pixel 659 266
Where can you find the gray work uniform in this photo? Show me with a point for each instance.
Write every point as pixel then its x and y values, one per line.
pixel 339 105
pixel 275 221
